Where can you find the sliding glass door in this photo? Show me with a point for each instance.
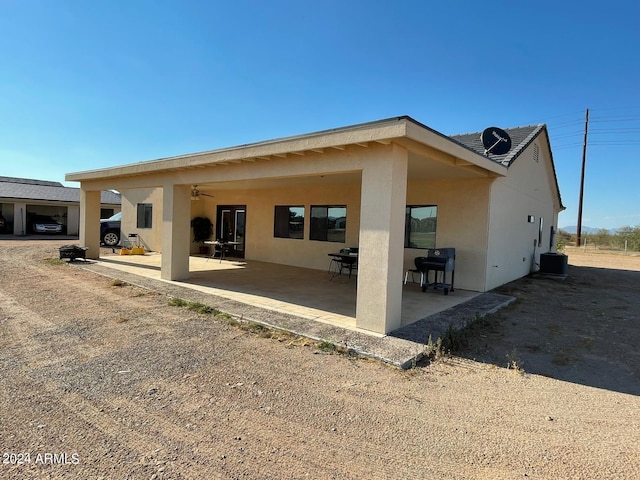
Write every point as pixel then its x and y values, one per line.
pixel 230 227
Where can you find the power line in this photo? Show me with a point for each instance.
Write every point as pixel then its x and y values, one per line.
pixel 565 124
pixel 573 114
pixel 565 147
pixel 567 135
pixel 614 127
pixel 614 142
pixel 617 130
pixel 616 119
pixel 599 142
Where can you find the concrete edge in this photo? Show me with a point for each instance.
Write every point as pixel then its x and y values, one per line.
pixel 402 348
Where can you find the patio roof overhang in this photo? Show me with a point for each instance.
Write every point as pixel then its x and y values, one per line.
pixel 431 155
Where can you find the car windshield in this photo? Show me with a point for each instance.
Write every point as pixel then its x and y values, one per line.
pixel 43 219
pixel 115 216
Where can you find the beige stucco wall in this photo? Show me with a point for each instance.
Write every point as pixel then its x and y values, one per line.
pixel 19 218
pixel 513 242
pixel 485 258
pixel 462 207
pixel 150 238
pixel 73 219
pixel 462 224
pixel 260 242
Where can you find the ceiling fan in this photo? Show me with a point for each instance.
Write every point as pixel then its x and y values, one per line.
pixel 196 194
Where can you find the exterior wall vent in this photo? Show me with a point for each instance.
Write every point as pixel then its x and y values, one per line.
pixel 536 152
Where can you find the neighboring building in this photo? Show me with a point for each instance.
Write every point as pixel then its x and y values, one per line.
pixel 22 199
pixel 392 188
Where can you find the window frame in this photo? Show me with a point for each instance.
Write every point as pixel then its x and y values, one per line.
pixel 540 230
pixel 408 230
pixel 320 233
pixel 278 224
pixel 144 212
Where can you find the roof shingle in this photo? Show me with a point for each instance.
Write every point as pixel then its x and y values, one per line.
pixel 27 189
pixel 520 138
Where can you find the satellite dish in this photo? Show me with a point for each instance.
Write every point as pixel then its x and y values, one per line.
pixel 496 141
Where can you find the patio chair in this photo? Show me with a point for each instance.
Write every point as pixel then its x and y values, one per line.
pixel 344 261
pixel 421 268
pixel 219 248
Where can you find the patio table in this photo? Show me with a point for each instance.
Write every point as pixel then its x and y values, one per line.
pixel 221 246
pixel 342 261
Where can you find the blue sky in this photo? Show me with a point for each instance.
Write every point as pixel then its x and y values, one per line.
pixel 87 84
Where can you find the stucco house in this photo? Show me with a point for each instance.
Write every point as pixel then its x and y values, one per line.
pixel 24 198
pixel 392 188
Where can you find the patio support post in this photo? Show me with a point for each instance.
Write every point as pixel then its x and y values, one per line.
pixel 381 244
pixel 176 234
pixel 90 221
pixel 20 218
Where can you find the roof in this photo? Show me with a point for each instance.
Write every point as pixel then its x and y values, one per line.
pixel 521 137
pixel 379 131
pixel 30 181
pixel 467 147
pixel 28 189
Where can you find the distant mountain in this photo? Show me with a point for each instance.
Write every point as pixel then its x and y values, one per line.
pixel 574 229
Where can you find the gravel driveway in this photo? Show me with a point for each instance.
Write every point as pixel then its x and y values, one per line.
pixel 102 380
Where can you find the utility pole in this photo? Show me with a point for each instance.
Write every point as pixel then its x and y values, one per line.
pixel 584 161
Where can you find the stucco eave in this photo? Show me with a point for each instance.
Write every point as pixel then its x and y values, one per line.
pixel 382 132
pixel 432 138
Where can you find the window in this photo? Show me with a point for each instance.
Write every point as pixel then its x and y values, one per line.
pixel 106 212
pixel 540 231
pixel 288 222
pixel 144 215
pixel 420 226
pixel 328 224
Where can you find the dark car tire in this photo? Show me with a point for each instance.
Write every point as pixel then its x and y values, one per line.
pixel 111 238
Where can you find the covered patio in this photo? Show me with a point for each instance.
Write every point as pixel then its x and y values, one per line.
pixel 372 171
pixel 301 292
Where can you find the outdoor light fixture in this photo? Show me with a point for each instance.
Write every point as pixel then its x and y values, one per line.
pixel 531 219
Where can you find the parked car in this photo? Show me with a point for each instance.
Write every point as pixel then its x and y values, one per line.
pixel 110 229
pixel 45 224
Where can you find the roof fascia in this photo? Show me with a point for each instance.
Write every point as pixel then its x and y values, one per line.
pixel 382 131
pixel 553 167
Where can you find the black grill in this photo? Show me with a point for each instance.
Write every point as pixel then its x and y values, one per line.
pixel 440 261
pixel 72 252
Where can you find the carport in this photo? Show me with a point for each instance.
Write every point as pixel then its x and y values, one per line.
pixel 21 199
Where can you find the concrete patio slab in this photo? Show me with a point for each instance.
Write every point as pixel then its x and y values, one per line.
pixel 304 302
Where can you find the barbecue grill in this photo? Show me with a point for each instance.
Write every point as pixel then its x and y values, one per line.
pixel 72 252
pixel 440 261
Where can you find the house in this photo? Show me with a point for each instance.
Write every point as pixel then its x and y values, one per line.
pixel 21 199
pixel 400 186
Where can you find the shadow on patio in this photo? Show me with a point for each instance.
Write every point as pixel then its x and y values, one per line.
pixel 301 292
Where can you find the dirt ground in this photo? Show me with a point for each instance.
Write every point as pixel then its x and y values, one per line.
pixel 101 380
pixel 585 329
